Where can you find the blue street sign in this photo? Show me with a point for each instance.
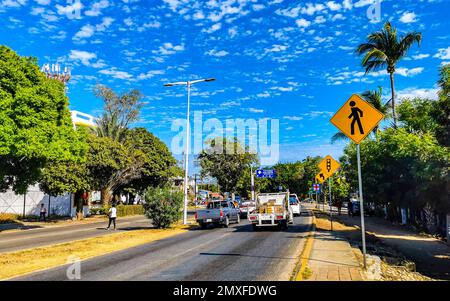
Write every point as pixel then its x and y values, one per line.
pixel 266 173
pixel 316 187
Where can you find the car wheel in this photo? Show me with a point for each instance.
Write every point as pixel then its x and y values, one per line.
pixel 255 227
pixel 226 223
pixel 203 225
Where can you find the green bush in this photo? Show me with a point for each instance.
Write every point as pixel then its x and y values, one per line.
pixel 122 210
pixel 163 206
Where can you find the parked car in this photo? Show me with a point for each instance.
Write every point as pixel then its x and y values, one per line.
pixel 295 204
pixel 218 213
pixel 247 208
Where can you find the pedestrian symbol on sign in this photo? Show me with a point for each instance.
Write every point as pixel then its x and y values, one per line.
pixel 356 115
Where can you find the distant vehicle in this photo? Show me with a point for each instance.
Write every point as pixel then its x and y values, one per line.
pixel 272 209
pixel 216 196
pixel 247 208
pixel 295 204
pixel 219 213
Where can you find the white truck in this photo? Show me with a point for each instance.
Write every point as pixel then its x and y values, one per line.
pixel 272 209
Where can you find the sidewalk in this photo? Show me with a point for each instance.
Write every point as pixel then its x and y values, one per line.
pixel 329 256
pixel 431 256
pixel 333 259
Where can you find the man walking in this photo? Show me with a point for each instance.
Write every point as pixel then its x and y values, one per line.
pixel 112 213
pixel 356 116
pixel 42 213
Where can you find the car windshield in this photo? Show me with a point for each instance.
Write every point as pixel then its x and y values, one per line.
pixel 293 201
pixel 217 205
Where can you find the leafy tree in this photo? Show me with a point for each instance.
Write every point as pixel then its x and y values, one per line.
pixel 416 115
pixel 289 176
pixel 227 167
pixel 158 162
pixel 385 49
pixel 119 112
pixel 163 206
pixel 35 122
pixel 442 108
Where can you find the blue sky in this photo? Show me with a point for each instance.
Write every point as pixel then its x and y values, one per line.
pixel 288 60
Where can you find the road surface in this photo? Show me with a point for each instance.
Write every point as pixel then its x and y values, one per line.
pixel 26 239
pixel 234 253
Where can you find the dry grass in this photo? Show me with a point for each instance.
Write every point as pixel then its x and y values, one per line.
pixel 7 218
pixel 324 224
pixel 23 262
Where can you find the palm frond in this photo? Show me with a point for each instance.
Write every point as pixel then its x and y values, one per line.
pixel 338 137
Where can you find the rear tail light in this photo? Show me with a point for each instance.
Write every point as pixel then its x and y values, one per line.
pixel 195 215
pixel 279 217
pixel 252 218
pixel 221 213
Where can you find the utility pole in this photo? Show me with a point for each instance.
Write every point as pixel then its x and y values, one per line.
pixel 252 180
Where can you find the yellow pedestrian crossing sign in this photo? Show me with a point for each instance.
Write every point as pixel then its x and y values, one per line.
pixel 328 166
pixel 357 118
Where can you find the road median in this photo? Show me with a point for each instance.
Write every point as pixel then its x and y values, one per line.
pixel 19 263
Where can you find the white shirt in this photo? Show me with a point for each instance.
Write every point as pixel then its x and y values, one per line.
pixel 113 212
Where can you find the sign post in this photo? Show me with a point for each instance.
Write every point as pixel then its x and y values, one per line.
pixel 331 205
pixel 328 167
pixel 356 119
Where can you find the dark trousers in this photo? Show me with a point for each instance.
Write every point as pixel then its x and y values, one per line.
pixel 113 220
pixel 42 216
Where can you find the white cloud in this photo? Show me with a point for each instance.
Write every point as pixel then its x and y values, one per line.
pixel 96 8
pixel 83 56
pixel 150 74
pixel 69 9
pixel 216 53
pixel 333 5
pixel 168 49
pixel 408 17
pixel 113 72
pixel 86 31
pixel 420 56
pixel 293 118
pixel 431 93
pixel 443 54
pixel 303 23
pixel 43 2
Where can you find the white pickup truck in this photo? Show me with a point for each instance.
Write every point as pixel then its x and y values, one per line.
pixel 272 209
pixel 218 213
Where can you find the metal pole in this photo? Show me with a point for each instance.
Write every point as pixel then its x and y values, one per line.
pixel 186 158
pixel 331 208
pixel 252 180
pixel 24 203
pixel 361 204
pixel 48 213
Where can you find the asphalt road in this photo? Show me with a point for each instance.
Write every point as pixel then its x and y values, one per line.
pixel 26 239
pixel 234 253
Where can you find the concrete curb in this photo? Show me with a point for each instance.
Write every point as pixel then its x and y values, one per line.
pixel 306 252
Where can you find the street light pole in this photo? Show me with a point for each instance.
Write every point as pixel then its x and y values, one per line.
pixel 186 152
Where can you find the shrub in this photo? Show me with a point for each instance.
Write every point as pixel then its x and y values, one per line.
pixel 163 206
pixel 7 218
pixel 125 210
pixel 122 210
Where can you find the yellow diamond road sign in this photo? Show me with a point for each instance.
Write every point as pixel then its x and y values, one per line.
pixel 321 177
pixel 357 118
pixel 328 166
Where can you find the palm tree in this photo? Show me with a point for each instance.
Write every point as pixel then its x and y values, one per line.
pixel 385 49
pixel 374 97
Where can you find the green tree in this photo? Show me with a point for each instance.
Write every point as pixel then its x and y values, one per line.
pixel 441 113
pixel 158 163
pixel 416 115
pixel 225 160
pixel 35 122
pixel 163 206
pixel 119 111
pixel 385 49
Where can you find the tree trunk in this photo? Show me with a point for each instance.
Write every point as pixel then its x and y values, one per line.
pixel 105 196
pixel 79 204
pixel 394 114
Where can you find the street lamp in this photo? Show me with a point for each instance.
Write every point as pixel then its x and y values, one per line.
pixel 188 84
